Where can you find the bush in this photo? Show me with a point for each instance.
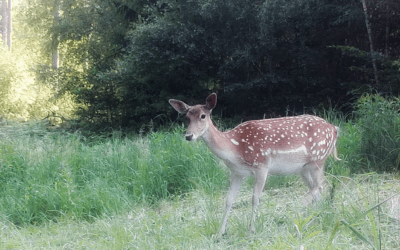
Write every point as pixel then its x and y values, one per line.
pixel 379 122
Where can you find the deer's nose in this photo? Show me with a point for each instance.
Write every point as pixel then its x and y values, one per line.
pixel 189 137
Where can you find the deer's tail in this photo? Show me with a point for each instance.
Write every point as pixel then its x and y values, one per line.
pixel 334 151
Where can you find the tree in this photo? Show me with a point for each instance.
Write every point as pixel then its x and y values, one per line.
pixel 26 94
pixel 4 20
pixel 9 24
pixel 94 33
pixel 6 23
pixel 275 52
pixel 371 44
pixel 124 60
pixel 54 46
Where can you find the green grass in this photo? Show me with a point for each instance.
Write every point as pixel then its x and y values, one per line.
pixel 379 126
pixel 62 190
pixel 47 175
pixel 190 222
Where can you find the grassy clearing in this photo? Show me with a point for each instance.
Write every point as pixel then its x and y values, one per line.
pixel 67 191
pixel 47 175
pixel 190 222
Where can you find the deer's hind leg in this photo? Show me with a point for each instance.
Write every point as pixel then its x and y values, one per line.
pixel 313 176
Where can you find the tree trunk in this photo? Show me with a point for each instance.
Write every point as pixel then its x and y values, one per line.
pixel 387 30
pixel 4 21
pixel 9 24
pixel 55 53
pixel 371 45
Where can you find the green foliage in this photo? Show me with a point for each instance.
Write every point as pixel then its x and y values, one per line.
pixel 241 50
pixel 93 36
pixel 379 123
pixel 151 52
pixel 15 83
pixel 47 175
pixel 121 61
pixel 24 95
pixel 349 142
pixel 389 75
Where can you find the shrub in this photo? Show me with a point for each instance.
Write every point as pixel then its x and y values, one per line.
pixel 379 122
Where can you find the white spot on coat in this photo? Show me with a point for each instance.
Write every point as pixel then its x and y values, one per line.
pixel 234 142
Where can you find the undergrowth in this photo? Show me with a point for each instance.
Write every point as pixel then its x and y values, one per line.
pixel 45 175
pixel 378 120
pixel 49 177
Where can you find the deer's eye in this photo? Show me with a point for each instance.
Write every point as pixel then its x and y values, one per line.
pixel 203 116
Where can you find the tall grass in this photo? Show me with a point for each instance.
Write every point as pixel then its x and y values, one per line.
pixel 378 120
pixel 355 218
pixel 159 191
pixel 47 175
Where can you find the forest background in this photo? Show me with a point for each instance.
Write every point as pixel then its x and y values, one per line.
pixel 116 63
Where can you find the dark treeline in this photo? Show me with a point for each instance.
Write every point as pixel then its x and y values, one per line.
pixel 261 57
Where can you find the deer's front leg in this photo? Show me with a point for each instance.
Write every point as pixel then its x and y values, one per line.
pixel 260 178
pixel 234 187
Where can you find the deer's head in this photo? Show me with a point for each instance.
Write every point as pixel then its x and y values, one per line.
pixel 198 117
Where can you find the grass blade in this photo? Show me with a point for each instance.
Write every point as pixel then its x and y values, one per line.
pixel 334 232
pixel 377 205
pixel 357 233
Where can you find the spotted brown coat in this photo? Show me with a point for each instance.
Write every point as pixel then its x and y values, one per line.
pixel 289 145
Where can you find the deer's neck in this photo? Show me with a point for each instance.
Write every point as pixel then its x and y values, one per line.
pixel 218 143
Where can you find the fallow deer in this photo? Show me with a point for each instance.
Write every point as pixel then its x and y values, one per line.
pixel 288 145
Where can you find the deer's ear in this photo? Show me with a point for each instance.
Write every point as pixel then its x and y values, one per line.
pixel 179 106
pixel 211 101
